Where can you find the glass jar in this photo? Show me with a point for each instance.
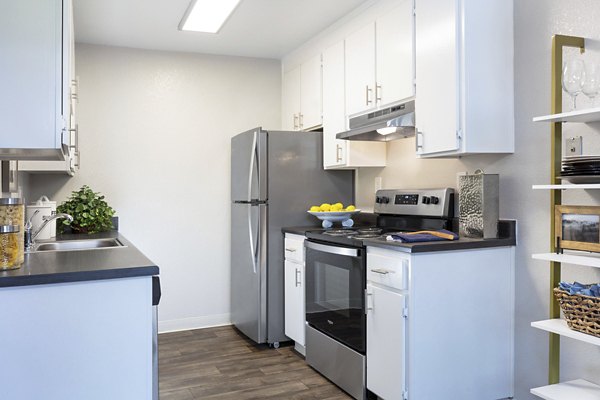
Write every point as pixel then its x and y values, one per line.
pixel 12 227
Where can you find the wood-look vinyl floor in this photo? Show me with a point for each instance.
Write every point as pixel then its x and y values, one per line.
pixel 220 363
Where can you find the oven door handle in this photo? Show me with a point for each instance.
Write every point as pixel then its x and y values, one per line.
pixel 341 251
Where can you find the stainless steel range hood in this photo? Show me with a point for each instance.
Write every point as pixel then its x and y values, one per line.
pixel 392 123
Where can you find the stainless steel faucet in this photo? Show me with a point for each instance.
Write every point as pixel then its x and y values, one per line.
pixel 30 237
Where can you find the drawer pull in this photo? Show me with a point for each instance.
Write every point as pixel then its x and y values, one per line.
pixel 381 271
pixel 291 250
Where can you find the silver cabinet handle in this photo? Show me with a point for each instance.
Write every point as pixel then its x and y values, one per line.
pixel 368 305
pixel 367 92
pixel 418 145
pixel 296 126
pixel 381 271
pixel 290 250
pixel 377 92
pixel 75 89
pixel 75 147
pixel 338 153
pixel 297 277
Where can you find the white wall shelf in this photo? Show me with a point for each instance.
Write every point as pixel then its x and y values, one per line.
pixel 559 326
pixel 584 116
pixel 567 186
pixel 578 389
pixel 588 260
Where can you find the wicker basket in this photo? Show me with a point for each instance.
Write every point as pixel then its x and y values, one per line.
pixel 582 313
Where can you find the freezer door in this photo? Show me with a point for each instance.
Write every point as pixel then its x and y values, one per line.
pixel 248 270
pixel 249 166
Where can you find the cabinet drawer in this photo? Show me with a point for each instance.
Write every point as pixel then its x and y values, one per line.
pixel 294 248
pixel 388 271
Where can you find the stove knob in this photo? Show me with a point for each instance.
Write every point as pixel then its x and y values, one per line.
pixel 435 200
pixel 426 200
pixel 385 200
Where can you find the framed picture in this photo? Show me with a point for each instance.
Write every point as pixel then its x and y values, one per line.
pixel 577 228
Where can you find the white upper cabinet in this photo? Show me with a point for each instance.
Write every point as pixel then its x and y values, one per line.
pixel 311 96
pixel 342 154
pixel 380 61
pixel 395 53
pixel 302 96
pixel 464 77
pixel 360 70
pixel 291 100
pixel 35 73
pixel 69 101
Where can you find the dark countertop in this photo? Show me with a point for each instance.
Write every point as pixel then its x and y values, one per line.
pixel 507 237
pixel 83 265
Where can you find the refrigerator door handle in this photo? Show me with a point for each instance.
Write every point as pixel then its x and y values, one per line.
pixel 253 245
pixel 252 162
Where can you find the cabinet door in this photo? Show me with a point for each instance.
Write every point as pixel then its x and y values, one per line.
pixel 290 110
pixel 311 99
pixel 395 54
pixel 31 96
pixel 70 136
pixel 386 342
pixel 437 90
pixel 334 113
pixel 360 70
pixel 294 301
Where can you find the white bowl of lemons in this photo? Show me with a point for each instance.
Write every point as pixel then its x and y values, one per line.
pixel 330 213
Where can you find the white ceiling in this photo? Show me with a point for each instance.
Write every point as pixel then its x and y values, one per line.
pixel 257 28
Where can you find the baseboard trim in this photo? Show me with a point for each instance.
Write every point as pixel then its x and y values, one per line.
pixel 186 324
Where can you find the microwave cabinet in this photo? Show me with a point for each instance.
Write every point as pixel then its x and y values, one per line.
pixel 379 61
pixel 342 154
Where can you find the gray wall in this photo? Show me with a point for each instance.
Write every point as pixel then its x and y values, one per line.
pixel 155 139
pixel 535 23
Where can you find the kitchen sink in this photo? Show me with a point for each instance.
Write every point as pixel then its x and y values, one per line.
pixel 85 244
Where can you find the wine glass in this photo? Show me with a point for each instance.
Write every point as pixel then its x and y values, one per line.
pixel 591 84
pixel 572 78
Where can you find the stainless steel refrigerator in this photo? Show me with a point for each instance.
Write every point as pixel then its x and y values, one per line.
pixel 275 177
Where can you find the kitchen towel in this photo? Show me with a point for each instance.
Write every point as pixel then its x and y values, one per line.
pixel 423 236
pixel 580 288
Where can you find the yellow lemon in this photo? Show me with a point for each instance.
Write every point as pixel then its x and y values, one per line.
pixel 315 208
pixel 339 206
pixel 350 208
pixel 325 207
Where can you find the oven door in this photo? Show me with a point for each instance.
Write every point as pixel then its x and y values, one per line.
pixel 335 286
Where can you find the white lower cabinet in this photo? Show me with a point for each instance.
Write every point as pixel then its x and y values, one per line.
pixel 440 325
pixel 294 301
pixel 385 341
pixel 294 290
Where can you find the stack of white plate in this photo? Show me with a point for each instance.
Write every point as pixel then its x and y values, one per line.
pixel 581 169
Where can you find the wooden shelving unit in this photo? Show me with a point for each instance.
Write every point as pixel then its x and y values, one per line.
pixel 557 328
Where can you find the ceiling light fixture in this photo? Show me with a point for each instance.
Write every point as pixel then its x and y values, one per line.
pixel 207 15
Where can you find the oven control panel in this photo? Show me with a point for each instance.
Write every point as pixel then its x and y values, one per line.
pixel 419 202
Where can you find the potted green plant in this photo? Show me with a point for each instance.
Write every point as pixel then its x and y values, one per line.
pixel 90 212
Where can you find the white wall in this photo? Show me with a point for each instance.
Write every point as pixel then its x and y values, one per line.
pixel 535 23
pixel 155 139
